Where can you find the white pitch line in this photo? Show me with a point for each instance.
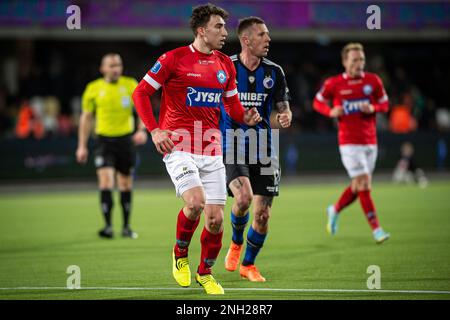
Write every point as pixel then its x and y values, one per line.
pixel 233 289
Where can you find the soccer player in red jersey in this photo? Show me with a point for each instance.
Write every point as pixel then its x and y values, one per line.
pixel 356 96
pixel 195 79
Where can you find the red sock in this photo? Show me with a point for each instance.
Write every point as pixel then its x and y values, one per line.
pixel 185 230
pixel 211 244
pixel 369 208
pixel 346 198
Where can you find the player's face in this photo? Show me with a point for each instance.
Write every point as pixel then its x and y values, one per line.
pixel 354 63
pixel 258 40
pixel 112 68
pixel 214 34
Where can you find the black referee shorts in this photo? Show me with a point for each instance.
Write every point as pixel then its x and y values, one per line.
pixel 116 152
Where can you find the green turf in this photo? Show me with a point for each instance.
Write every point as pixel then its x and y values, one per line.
pixel 42 234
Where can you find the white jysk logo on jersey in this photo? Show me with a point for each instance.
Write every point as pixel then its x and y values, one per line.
pixel 352 106
pixel 203 97
pixel 197 75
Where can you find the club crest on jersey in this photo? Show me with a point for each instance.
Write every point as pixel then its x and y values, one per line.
pixel 156 67
pixel 268 82
pixel 352 106
pixel 203 97
pixel 221 76
pixel 367 89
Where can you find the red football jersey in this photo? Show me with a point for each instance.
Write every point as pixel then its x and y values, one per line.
pixel 193 85
pixel 355 127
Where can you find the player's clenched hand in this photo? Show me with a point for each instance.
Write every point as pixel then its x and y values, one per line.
pixel 336 111
pixel 367 108
pixel 82 154
pixel 284 119
pixel 252 117
pixel 139 138
pixel 162 141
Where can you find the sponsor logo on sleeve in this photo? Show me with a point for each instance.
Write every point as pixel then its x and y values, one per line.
pixel 156 67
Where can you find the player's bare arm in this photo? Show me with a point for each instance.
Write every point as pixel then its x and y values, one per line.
pixel 284 115
pixel 83 136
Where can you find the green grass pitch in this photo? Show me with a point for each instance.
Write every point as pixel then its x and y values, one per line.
pixel 42 234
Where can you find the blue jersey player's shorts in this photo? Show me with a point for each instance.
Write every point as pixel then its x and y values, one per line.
pixel 264 179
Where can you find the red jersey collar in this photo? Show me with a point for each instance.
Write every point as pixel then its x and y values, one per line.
pixel 346 76
pixel 193 49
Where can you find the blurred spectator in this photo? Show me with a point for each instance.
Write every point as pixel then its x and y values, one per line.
pixel 28 123
pixel 401 119
pixel 443 119
pixel 406 170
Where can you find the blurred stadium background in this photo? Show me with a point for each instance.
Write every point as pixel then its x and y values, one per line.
pixel 44 68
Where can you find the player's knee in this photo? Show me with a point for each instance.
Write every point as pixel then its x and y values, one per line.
pixel 215 223
pixel 106 184
pixel 195 205
pixel 243 201
pixel 363 184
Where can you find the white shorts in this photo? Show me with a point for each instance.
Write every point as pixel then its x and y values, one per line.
pixel 358 159
pixel 189 170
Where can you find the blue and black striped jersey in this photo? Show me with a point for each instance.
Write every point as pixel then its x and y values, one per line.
pixel 260 88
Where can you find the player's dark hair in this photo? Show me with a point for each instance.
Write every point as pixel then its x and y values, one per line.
pixel 247 22
pixel 201 15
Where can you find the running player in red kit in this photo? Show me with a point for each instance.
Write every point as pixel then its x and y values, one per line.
pixel 195 80
pixel 356 96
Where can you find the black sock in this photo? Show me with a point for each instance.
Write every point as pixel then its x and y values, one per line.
pixel 106 203
pixel 125 200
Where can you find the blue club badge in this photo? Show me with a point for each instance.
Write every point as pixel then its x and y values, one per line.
pixel 367 89
pixel 221 76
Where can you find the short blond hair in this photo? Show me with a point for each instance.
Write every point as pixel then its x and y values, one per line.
pixel 351 46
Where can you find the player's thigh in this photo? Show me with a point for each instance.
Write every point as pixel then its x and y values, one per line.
pixel 183 171
pixel 213 179
pixel 105 177
pixel 241 189
pixel 238 182
pixel 354 159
